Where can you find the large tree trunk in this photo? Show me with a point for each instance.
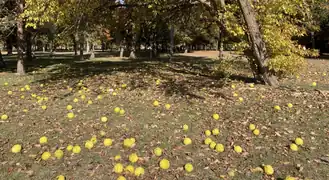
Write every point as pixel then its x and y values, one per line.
pixel 257 43
pixel 20 38
pixel 28 39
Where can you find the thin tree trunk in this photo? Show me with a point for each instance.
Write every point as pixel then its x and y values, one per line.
pixel 92 54
pixel 132 54
pixel 87 46
pixel 2 62
pixel 75 44
pixel 51 48
pixel 155 49
pixel 81 45
pixel 221 42
pixel 312 40
pixel 185 48
pixel 121 49
pixel 103 46
pixel 28 39
pixel 257 43
pixel 151 52
pixel 9 45
pixel 172 35
pixel 20 38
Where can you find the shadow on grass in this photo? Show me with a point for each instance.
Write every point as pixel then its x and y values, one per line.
pixel 197 72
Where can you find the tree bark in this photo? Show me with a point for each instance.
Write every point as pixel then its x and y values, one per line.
pixel 185 48
pixel 257 44
pixel 9 45
pixel 221 29
pixel 20 38
pixel 103 46
pixel 132 54
pixel 312 40
pixel 121 51
pixel 172 35
pixel 28 38
pixel 121 48
pixel 150 52
pixel 75 45
pixel 92 54
pixel 87 46
pixel 81 45
pixel 51 48
pixel 2 62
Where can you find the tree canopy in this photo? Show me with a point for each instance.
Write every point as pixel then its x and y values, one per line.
pixel 215 23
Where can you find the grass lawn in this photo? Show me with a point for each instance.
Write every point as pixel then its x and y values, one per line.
pixel 194 92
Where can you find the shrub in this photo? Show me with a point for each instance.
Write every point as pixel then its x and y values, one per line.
pixel 285 65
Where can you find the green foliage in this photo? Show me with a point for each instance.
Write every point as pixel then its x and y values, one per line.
pixel 147 22
pixel 38 12
pixel 281 21
pixel 233 21
pixel 224 68
pixel 285 65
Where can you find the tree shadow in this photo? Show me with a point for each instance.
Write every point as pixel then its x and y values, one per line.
pixel 182 76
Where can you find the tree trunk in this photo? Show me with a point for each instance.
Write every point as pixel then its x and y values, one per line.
pixel 132 54
pixel 92 54
pixel 121 51
pixel 121 48
pixel 257 43
pixel 185 48
pixel 103 46
pixel 9 45
pixel 81 46
pixel 155 49
pixel 75 45
pixel 20 38
pixel 172 35
pixel 51 48
pixel 28 39
pixel 151 52
pixel 220 43
pixel 2 62
pixel 87 46
pixel 312 40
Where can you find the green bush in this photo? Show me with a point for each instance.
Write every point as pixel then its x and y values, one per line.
pixel 285 65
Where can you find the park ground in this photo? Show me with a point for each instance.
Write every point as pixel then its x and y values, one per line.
pixel 196 87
